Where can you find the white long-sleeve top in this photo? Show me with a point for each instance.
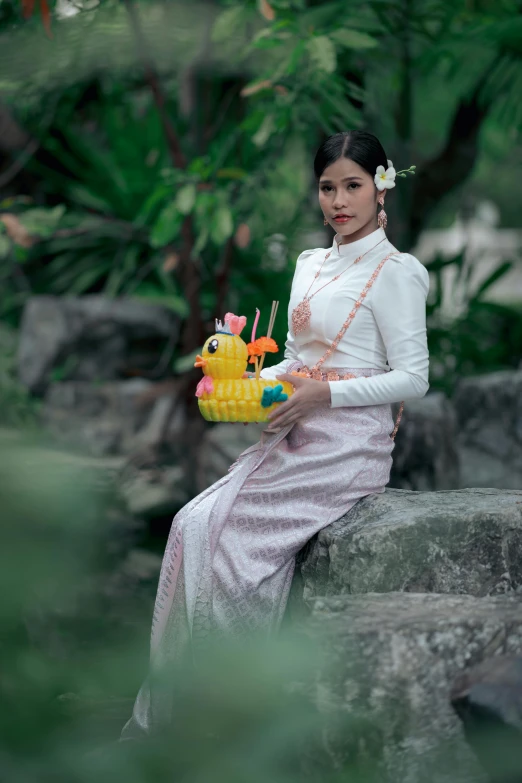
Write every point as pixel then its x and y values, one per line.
pixel 389 328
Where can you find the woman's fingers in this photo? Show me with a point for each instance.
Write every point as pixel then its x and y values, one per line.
pixel 282 409
pixel 283 412
pixel 283 421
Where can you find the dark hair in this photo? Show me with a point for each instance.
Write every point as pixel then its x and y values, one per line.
pixel 360 146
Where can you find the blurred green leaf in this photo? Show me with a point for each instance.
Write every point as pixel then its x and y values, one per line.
pixel 42 222
pixel 201 241
pixel 5 245
pixel 167 226
pixel 485 337
pixel 153 203
pixel 265 39
pixel 222 225
pixel 150 293
pixel 228 22
pixel 354 39
pixel 21 254
pixel 322 52
pixel 87 199
pixel 84 281
pixel 185 198
pixel 264 132
pixel 501 270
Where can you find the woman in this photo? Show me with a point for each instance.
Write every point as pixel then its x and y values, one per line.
pixel 230 556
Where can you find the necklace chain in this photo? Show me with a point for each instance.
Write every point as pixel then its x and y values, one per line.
pixel 301 314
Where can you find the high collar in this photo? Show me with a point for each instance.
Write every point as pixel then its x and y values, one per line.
pixel 354 249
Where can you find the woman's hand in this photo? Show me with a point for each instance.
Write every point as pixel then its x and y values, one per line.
pixel 309 394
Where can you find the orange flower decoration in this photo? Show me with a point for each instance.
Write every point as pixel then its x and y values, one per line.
pixel 261 346
pixel 267 344
pixel 254 349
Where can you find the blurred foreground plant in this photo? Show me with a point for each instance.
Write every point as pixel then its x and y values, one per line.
pixel 68 677
pixel 252 711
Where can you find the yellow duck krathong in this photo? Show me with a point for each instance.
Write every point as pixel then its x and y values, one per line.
pixel 224 394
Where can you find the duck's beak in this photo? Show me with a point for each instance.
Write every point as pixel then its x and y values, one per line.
pixel 200 361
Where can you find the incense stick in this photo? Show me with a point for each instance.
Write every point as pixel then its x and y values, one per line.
pixel 273 314
pixel 271 321
pixel 275 305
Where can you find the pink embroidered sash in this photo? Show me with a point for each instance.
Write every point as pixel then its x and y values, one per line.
pixel 315 372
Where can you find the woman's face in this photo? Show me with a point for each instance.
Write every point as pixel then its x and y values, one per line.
pixel 348 198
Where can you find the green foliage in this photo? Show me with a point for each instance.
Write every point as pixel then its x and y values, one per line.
pixel 186 198
pixel 354 39
pixel 281 75
pixel 111 185
pixel 322 52
pixel 484 336
pixel 40 222
pixel 230 22
pixel 74 652
pixel 167 226
pixel 5 245
pixel 126 205
pixel 17 407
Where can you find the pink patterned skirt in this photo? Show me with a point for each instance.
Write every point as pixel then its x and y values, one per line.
pixel 230 555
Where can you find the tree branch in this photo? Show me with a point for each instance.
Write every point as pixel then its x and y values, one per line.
pixel 193 333
pixel 176 153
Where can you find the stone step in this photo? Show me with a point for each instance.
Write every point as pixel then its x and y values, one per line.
pixel 455 541
pixel 386 665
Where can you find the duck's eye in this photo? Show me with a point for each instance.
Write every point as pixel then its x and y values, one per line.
pixel 213 346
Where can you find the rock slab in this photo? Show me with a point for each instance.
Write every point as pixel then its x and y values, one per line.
pixel 114 417
pixel 457 541
pixel 91 338
pixel 425 456
pixel 387 664
pixel 489 415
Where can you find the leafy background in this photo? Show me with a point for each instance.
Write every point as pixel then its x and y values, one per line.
pixel 180 143
pixel 162 150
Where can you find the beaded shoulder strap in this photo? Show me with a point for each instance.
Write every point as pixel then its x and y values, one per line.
pixel 347 323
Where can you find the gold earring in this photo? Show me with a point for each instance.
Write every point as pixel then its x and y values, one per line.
pixel 382 217
pixel 325 221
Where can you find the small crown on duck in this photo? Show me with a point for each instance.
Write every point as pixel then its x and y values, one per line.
pixel 220 329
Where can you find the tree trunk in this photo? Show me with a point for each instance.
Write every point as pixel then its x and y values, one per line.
pixel 454 164
pixel 193 330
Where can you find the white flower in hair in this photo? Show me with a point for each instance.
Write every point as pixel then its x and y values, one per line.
pixel 385 178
